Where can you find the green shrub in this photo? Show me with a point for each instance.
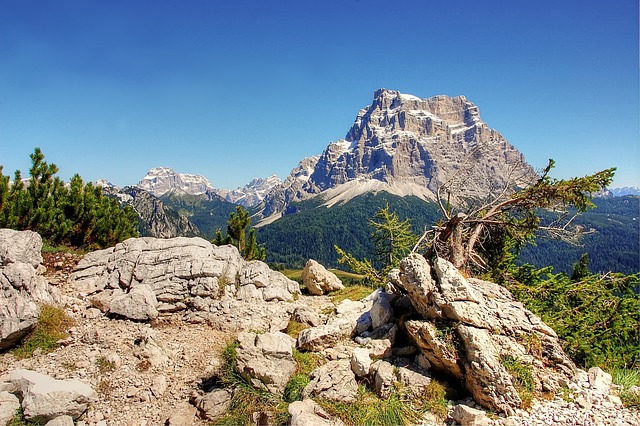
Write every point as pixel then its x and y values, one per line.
pixel 53 323
pixel 596 317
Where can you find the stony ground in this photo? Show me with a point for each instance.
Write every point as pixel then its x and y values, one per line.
pixel 101 351
pixel 136 390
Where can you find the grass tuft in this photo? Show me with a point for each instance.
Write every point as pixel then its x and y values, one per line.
pixel 627 377
pixel 402 407
pixel 354 292
pixel 53 323
pixel 522 378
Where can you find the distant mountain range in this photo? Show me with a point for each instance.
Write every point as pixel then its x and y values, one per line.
pixel 400 145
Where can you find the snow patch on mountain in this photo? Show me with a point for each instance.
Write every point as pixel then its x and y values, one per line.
pixel 252 193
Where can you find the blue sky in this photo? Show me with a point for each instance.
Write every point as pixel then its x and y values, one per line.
pixel 237 89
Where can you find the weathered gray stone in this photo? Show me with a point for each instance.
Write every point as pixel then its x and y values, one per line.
pixel 308 413
pixel 352 318
pixel 600 380
pixel 381 311
pixel 383 377
pixel 469 326
pixel 413 380
pixel 306 315
pixel 22 287
pixel 20 247
pixel 9 405
pixel 149 347
pixel 44 398
pixel 214 404
pixel 265 360
pixel 182 273
pixel 139 304
pixel 360 362
pixel 60 421
pixel 333 381
pixel 469 416
pixel 318 279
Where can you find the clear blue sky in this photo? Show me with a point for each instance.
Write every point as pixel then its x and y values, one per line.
pixel 237 89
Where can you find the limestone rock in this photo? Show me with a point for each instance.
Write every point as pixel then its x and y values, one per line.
pixel 469 416
pixel 265 360
pixel 149 347
pixel 22 287
pixel 352 318
pixel 214 404
pixel 61 421
pixel 334 381
pixel 138 304
pixel 383 377
pixel 20 247
pixel 182 273
pixel 381 311
pixel 470 327
pixel 308 412
pixel 9 404
pixel 318 279
pixel 360 362
pixel 600 380
pixel 44 398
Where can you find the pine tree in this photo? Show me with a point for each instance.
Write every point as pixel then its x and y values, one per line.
pixel 237 226
pixel 392 239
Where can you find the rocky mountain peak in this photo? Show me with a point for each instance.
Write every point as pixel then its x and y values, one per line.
pixel 252 193
pixel 160 180
pixel 408 145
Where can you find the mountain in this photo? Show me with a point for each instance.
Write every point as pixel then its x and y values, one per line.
pixel 155 219
pixel 161 180
pixel 405 145
pixel 627 190
pixel 252 193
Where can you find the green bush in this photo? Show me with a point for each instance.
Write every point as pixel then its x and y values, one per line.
pixel 596 317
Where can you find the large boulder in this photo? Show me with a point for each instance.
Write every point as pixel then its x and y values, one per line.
pixel 45 398
pixel 265 360
pixel 318 280
pixel 182 273
pixel 22 286
pixel 475 331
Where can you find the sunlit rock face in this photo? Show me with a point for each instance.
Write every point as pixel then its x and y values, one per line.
pixel 406 145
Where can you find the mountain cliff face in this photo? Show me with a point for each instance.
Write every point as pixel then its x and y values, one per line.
pixel 154 218
pixel 161 180
pixel 407 146
pixel 252 193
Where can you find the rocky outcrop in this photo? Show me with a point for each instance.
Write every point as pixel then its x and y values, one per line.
pixel 475 331
pixel 143 277
pixel 22 286
pixel 44 398
pixel 318 279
